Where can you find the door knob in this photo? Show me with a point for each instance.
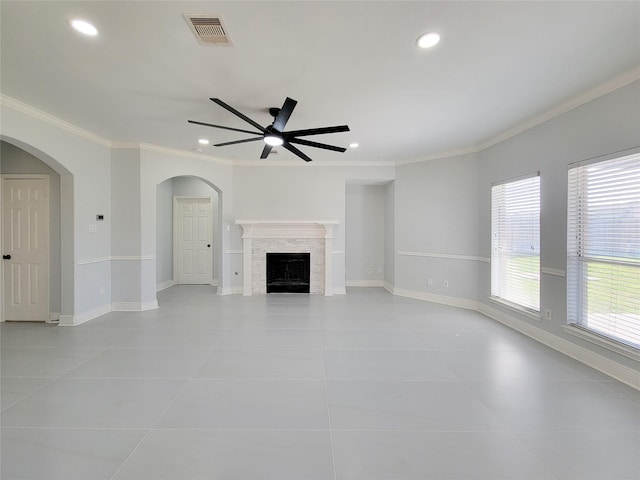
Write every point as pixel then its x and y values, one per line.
pixel 208 245
pixel 6 257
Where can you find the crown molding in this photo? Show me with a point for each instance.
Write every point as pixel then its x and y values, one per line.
pixel 438 156
pixel 183 153
pixel 21 107
pixel 296 163
pixel 613 84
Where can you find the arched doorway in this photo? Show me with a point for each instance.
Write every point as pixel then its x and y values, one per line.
pixel 19 160
pixel 172 195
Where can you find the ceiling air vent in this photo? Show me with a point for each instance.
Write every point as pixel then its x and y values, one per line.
pixel 208 29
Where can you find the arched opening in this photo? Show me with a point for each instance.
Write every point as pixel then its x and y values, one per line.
pixel 20 159
pixel 171 195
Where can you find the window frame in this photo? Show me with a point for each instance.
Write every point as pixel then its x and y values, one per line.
pixel 498 259
pixel 576 223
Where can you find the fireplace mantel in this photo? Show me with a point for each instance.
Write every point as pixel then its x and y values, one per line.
pixel 254 231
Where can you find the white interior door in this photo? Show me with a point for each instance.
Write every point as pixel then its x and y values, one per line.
pixel 25 248
pixel 194 241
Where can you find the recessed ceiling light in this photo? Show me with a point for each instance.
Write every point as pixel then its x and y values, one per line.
pixel 354 145
pixel 84 27
pixel 428 40
pixel 203 141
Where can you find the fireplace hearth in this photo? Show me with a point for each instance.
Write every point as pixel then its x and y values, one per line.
pixel 288 272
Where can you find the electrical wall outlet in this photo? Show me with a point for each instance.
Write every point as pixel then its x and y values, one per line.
pixel 369 270
pixel 445 283
pixel 430 281
pixel 547 314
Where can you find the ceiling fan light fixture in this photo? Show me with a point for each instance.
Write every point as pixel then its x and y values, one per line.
pixel 83 27
pixel 203 141
pixel 354 145
pixel 428 40
pixel 273 140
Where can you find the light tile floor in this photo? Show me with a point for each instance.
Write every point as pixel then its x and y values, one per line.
pixel 298 387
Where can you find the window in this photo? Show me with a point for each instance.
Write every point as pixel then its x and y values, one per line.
pixel 515 243
pixel 603 248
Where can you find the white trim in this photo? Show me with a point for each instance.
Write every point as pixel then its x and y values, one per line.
pixel 553 271
pixel 338 252
pixel 182 153
pixel 165 285
pixel 577 101
pixel 316 164
pixel 73 320
pixel 432 297
pixel 134 306
pixel 605 365
pixel 339 291
pixel 388 287
pixel 603 341
pixel 230 290
pixel 54 317
pixel 18 106
pixel 440 155
pixel 233 252
pixel 516 308
pixel 443 255
pixel 133 258
pixel 88 261
pixel 364 283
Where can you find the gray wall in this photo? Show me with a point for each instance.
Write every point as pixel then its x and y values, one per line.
pixel 437 219
pixel 390 234
pixel 16 160
pixel 365 232
pixel 164 236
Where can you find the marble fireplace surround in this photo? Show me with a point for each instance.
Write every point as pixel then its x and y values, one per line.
pixel 260 236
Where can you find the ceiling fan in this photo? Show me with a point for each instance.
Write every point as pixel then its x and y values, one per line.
pixel 274 135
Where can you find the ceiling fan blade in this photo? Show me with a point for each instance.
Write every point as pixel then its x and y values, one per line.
pixel 285 112
pixel 317 145
pixel 237 141
pixel 226 128
pixel 238 114
pixel 266 151
pixel 316 131
pixel 295 151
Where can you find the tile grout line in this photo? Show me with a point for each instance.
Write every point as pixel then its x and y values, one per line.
pixel 326 394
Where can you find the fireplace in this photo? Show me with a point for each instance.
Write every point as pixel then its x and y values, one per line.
pixel 288 272
pixel 312 237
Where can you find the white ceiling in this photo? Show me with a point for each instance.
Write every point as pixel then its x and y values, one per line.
pixel 498 65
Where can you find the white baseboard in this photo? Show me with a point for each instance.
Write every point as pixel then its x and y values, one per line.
pixel 134 306
pixel 364 283
pixel 435 298
pixel 54 317
pixel 603 364
pixel 388 287
pixel 230 290
pixel 165 285
pixel 339 291
pixel 73 320
pixel 215 282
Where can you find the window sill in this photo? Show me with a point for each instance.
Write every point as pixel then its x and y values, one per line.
pixel 516 308
pixel 610 344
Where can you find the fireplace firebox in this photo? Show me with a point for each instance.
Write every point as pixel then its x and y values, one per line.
pixel 288 272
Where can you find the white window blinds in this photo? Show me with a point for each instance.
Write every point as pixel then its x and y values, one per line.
pixel 515 242
pixel 603 248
